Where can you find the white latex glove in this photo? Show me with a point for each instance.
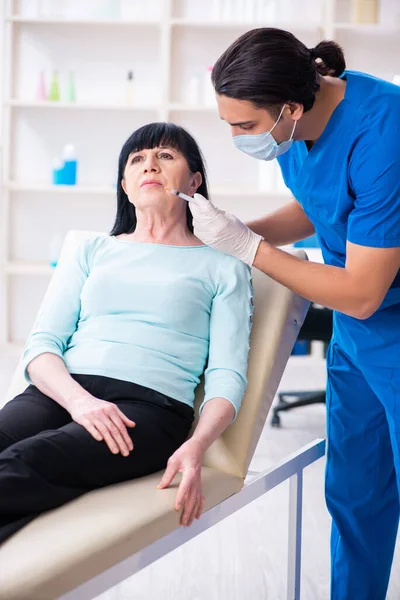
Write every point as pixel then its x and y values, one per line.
pixel 223 231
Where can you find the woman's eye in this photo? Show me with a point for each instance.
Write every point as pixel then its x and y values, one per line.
pixel 166 155
pixel 136 159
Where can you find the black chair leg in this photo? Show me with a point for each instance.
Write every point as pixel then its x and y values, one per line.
pixel 304 399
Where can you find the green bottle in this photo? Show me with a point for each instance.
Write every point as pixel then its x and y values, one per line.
pixel 71 95
pixel 54 93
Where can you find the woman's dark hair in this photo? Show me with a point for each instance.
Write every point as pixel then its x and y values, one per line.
pixel 145 138
pixel 269 67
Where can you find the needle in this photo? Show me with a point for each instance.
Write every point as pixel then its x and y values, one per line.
pixel 179 194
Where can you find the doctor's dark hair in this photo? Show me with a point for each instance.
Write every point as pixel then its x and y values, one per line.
pixel 270 67
pixel 146 138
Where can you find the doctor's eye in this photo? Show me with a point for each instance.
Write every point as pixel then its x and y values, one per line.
pixel 247 127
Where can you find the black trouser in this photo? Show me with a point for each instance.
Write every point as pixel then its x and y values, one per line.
pixel 46 459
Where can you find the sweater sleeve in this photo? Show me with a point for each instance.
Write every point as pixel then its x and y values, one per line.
pixel 230 325
pixel 59 313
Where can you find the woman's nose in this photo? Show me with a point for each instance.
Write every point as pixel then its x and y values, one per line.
pixel 151 164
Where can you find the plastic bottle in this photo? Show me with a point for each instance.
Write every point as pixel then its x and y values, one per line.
pixel 270 12
pixel 248 12
pixel 71 95
pixel 54 93
pixel 192 94
pixel 209 92
pixel 41 90
pixel 217 10
pixel 55 247
pixel 57 171
pixel 70 165
pixel 267 176
pixel 227 12
pixel 130 88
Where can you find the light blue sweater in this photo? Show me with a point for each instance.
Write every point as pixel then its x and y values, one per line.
pixel 150 314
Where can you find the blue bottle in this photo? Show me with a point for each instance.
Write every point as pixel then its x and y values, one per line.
pixel 70 165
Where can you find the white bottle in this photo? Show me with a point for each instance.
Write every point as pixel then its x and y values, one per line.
pixel 227 11
pixel 55 247
pixel 192 92
pixel 266 176
pixel 249 11
pixel 270 12
pixel 280 185
pixel 208 89
pixel 217 11
pixel 239 9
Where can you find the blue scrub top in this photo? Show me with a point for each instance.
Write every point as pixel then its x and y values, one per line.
pixel 349 186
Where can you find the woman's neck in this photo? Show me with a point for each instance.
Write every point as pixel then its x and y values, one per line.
pixel 157 229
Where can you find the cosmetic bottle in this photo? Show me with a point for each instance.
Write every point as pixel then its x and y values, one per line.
pixel 130 82
pixel 216 10
pixel 266 176
pixel 55 246
pixel 71 92
pixel 54 93
pixel 70 165
pixel 192 92
pixel 57 171
pixel 41 95
pixel 208 88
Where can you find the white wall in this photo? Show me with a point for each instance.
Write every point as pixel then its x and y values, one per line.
pixel 100 57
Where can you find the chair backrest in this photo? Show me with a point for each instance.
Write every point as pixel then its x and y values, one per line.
pixel 278 315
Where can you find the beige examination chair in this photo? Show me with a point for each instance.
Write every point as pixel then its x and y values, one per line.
pixel 83 548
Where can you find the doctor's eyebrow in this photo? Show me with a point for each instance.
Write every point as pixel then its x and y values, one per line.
pixel 239 123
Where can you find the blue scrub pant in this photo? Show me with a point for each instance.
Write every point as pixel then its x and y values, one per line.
pixel 362 475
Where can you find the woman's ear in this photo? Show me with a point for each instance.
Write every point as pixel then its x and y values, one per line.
pixel 123 184
pixel 195 183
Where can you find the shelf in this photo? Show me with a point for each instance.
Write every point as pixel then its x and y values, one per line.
pixel 16 186
pixel 29 268
pixel 57 105
pixel 192 108
pixel 103 22
pixel 368 29
pixel 75 106
pixel 289 25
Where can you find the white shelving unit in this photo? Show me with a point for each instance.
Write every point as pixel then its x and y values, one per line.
pixel 167 42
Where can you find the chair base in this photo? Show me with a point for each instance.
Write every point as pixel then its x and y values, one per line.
pixel 303 399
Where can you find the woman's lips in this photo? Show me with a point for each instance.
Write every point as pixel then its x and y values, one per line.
pixel 151 183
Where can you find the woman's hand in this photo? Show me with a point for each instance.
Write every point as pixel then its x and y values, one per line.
pixel 186 460
pixel 104 421
pixel 223 231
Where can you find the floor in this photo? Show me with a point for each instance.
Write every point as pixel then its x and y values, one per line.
pixel 245 555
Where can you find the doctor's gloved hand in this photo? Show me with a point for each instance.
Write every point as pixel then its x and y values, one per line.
pixel 223 231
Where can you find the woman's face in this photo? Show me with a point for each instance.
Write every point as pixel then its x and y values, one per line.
pixel 246 118
pixel 147 172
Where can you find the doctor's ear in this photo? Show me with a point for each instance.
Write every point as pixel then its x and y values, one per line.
pixel 195 183
pixel 296 110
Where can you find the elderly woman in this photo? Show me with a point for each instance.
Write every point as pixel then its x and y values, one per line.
pixel 127 327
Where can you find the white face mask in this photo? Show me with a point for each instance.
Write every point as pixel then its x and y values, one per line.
pixel 263 145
